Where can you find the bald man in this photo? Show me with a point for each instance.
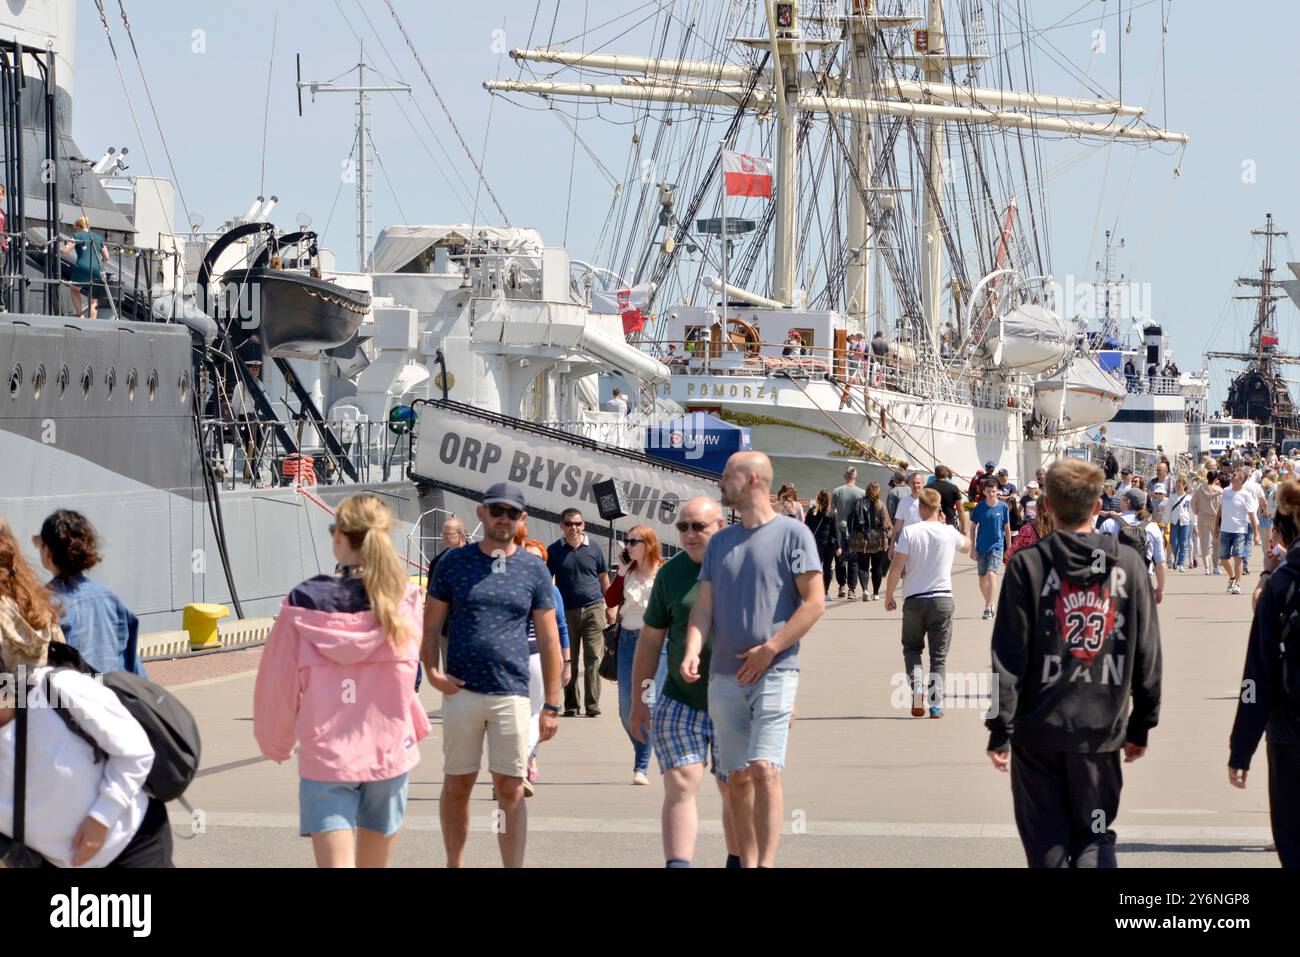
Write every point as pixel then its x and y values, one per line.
pixel 453 537
pixel 680 728
pixel 760 593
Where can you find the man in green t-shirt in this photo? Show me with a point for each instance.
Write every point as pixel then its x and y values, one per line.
pixel 682 731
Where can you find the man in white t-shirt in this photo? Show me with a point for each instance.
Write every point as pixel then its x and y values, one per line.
pixel 617 403
pixel 1238 527
pixel 1135 500
pixel 925 550
pixel 1250 484
pixel 909 506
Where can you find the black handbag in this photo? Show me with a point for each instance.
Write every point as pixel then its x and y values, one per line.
pixel 608 668
pixel 13 851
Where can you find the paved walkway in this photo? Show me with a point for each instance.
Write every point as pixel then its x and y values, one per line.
pixel 866 784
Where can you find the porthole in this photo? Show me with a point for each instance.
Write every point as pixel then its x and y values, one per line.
pixel 184 385
pixel 64 378
pixel 153 384
pixel 15 381
pixel 110 380
pixel 132 378
pixel 87 378
pixel 38 382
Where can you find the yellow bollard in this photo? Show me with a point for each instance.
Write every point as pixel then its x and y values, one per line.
pixel 200 622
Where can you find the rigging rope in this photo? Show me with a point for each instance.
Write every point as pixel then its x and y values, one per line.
pixel 428 79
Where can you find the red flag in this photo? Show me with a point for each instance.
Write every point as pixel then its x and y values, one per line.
pixel 633 318
pixel 747 175
pixel 1268 338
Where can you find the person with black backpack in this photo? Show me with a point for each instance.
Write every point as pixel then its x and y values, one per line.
pixel 78 794
pixel 1135 529
pixel 1075 639
pixel 1270 686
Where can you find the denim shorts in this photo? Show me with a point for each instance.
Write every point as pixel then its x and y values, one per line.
pixel 752 722
pixel 1234 545
pixel 346 805
pixel 990 563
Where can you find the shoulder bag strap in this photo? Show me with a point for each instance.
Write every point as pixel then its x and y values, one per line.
pixel 20 770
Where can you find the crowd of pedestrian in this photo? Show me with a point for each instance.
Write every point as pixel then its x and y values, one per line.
pixel 704 649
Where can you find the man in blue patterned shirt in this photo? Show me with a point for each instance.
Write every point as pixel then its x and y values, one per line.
pixel 487 592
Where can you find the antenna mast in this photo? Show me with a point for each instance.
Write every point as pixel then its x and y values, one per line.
pixel 365 208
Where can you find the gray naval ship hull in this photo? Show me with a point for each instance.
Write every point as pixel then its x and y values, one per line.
pixel 97 416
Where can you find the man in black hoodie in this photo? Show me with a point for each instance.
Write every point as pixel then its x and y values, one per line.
pixel 1076 635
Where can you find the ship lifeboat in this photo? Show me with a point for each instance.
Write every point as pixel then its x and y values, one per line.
pixel 1090 395
pixel 298 312
pixel 1029 339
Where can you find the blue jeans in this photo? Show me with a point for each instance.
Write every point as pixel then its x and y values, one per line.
pixel 626 654
pixel 1180 539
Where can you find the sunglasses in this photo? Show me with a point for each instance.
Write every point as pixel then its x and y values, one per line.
pixel 629 542
pixel 496 511
pixel 333 528
pixel 693 526
pixel 574 524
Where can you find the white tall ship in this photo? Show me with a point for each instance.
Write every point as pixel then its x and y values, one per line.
pixel 891 189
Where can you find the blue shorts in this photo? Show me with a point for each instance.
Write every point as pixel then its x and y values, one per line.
pixel 346 805
pixel 1234 545
pixel 683 735
pixel 752 722
pixel 989 563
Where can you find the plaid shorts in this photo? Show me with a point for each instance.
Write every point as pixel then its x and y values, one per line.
pixel 683 735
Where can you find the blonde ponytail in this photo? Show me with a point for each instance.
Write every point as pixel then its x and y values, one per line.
pixel 366 521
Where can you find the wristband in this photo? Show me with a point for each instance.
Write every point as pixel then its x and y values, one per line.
pixel 554 709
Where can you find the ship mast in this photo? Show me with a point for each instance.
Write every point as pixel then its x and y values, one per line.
pixel 933 101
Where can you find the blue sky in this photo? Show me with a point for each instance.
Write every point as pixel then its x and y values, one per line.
pixel 1229 83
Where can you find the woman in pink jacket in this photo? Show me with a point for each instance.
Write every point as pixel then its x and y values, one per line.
pixel 338 676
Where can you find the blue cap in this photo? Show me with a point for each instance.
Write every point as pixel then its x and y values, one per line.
pixel 989 465
pixel 503 493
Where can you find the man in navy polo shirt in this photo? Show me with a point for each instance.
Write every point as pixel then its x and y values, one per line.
pixel 488 593
pixel 582 575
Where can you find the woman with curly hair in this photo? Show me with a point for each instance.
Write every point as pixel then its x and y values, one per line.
pixel 94 620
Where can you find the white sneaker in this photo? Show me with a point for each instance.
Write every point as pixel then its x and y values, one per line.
pixel 1234 588
pixel 1207 570
pixel 639 778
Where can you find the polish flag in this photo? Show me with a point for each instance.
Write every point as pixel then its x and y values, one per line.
pixel 747 175
pixel 633 317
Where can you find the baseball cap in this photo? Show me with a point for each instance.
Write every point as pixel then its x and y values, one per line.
pixel 1003 472
pixel 503 493
pixel 1031 485
pixel 990 465
pixel 1158 489
pixel 1135 499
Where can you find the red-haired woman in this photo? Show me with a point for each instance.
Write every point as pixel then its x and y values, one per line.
pixel 630 592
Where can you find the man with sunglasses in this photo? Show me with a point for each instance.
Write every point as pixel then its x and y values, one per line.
pixel 488 593
pixel 760 593
pixel 682 733
pixel 582 575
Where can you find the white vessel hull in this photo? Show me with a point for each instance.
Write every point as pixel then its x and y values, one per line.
pixel 811 436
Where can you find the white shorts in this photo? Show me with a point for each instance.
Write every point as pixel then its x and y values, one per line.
pixel 467 716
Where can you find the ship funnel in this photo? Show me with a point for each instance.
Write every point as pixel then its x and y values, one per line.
pixel 252 210
pixel 265 211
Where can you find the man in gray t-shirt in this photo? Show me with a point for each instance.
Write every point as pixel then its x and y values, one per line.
pixel 760 593
pixel 755 571
pixel 842 500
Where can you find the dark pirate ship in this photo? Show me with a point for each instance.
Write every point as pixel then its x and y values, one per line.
pixel 1259 392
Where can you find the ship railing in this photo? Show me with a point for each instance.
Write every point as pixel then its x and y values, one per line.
pixel 904 375
pixel 628 433
pixel 139 271
pixel 249 451
pixel 1153 385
